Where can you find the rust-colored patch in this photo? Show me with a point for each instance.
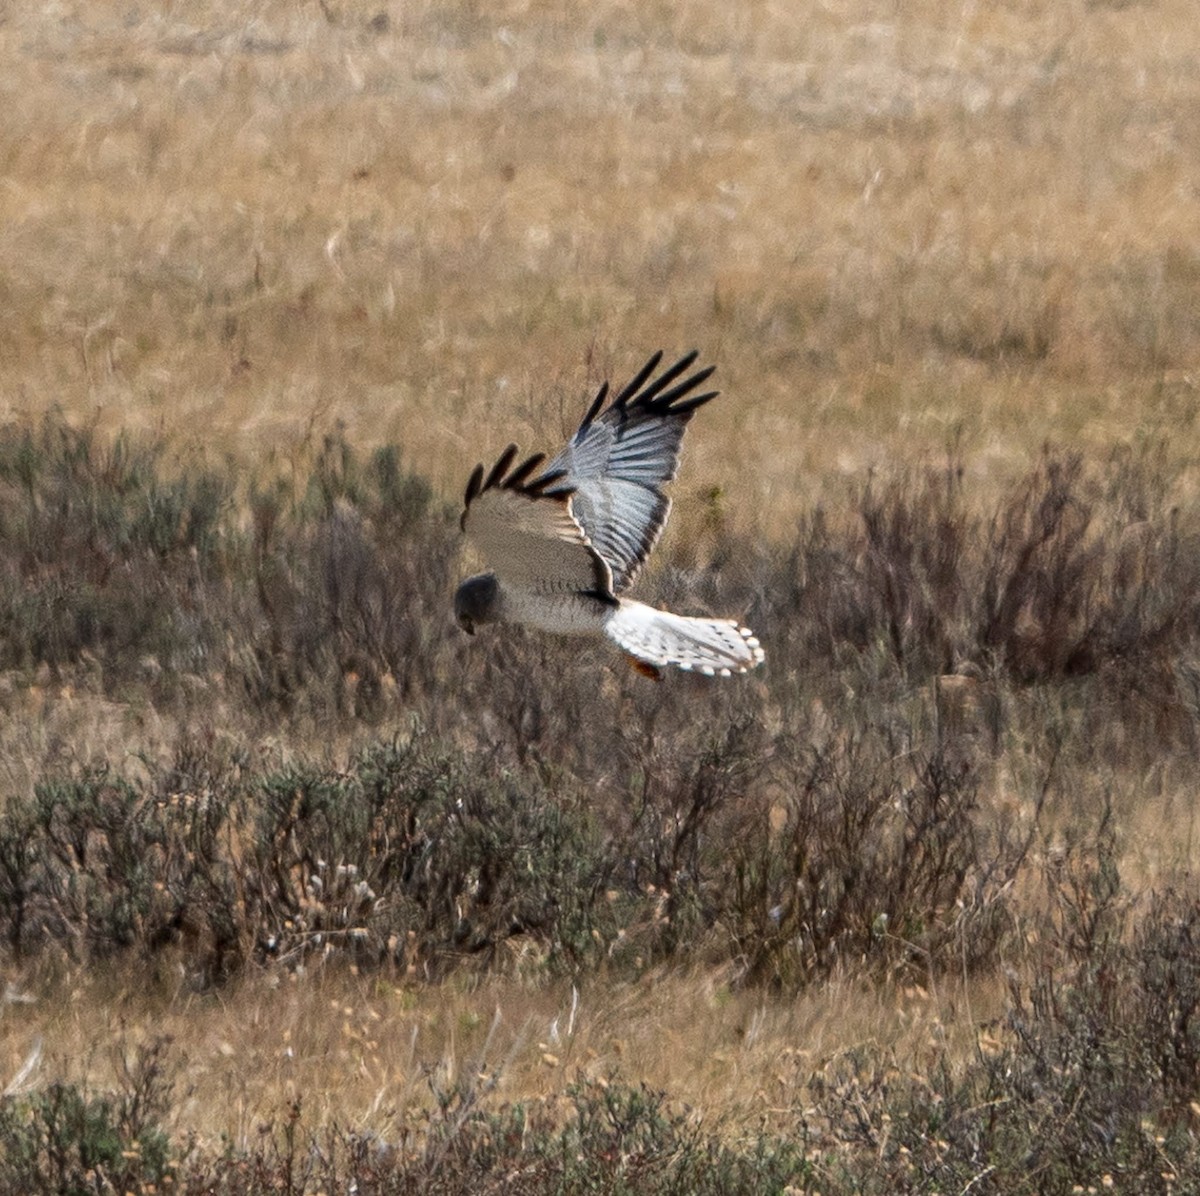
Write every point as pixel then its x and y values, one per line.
pixel 645 668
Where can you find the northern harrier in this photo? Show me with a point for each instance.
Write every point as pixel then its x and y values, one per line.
pixel 564 539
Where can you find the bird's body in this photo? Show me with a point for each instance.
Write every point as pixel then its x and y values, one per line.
pixel 559 614
pixel 566 538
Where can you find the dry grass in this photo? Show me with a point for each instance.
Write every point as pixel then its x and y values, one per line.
pixel 363 1051
pixel 896 228
pixel 240 223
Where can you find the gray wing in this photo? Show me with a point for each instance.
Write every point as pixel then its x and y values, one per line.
pixel 620 457
pixel 525 529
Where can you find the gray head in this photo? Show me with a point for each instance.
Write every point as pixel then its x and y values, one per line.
pixel 477 601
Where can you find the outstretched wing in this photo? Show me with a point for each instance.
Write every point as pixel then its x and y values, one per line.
pixel 620 457
pixel 524 528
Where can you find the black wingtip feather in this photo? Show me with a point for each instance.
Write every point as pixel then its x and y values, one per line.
pixel 539 486
pixel 639 378
pixel 663 395
pixel 547 485
pixel 594 409
pixel 668 376
pixel 689 405
pixel 660 397
pixel 501 467
pixel 662 402
pixel 518 476
pixel 474 487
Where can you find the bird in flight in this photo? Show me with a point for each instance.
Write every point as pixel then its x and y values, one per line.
pixel 566 538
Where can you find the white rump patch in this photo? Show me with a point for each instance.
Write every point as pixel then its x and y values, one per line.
pixel 712 647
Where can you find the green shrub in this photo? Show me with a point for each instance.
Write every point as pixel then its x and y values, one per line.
pixel 100 866
pixel 414 856
pixel 101 554
pixel 418 856
pixel 66 1140
pixel 1091 1073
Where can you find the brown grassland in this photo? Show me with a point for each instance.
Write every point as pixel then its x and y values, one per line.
pixel 294 267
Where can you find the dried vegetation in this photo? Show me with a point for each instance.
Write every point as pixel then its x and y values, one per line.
pixel 913 790
pixel 911 909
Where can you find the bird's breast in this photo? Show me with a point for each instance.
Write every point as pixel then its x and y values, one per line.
pixel 560 614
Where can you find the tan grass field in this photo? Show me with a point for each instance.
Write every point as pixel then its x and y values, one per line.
pixel 238 226
pixel 368 1053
